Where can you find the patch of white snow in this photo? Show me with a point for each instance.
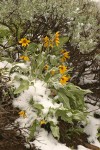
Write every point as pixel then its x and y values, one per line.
pixel 46 141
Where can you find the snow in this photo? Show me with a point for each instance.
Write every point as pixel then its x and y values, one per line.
pixel 88 79
pixel 92 109
pixel 41 88
pixel 92 100
pixel 80 147
pixel 92 129
pixel 22 65
pixel 93 124
pixel 14 82
pixel 45 141
pixel 5 64
pixel 39 94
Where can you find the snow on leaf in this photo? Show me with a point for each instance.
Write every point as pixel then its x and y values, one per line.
pixel 24 85
pixel 55 131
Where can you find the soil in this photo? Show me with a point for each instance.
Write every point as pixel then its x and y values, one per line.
pixel 75 139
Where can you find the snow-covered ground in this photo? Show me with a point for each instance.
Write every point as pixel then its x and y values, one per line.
pixel 45 140
pixel 93 125
pixel 96 1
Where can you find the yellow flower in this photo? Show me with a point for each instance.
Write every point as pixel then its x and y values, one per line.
pixel 51 43
pixel 62 69
pixel 64 79
pixel 22 114
pixel 46 67
pixel 66 55
pixel 63 59
pixel 46 42
pixel 52 72
pixel 42 122
pixel 25 58
pixel 24 42
pixel 56 38
pixel 63 51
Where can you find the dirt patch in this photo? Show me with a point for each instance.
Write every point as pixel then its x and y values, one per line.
pixel 75 138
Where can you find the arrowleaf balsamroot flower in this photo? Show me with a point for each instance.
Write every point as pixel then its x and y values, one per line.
pixel 46 67
pixel 22 114
pixel 46 42
pixel 51 43
pixel 25 58
pixel 56 38
pixel 63 51
pixel 66 55
pixel 64 79
pixel 63 59
pixel 42 122
pixel 52 72
pixel 24 42
pixel 62 69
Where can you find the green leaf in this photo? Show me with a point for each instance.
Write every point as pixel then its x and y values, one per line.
pixel 53 61
pixel 63 115
pixel 76 96
pixel 47 77
pixel 56 49
pixel 55 131
pixel 24 85
pixel 78 115
pixel 17 68
pixel 32 47
pixel 33 129
pixel 71 86
pixel 63 40
pixel 40 63
pixel 38 106
pixel 64 99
